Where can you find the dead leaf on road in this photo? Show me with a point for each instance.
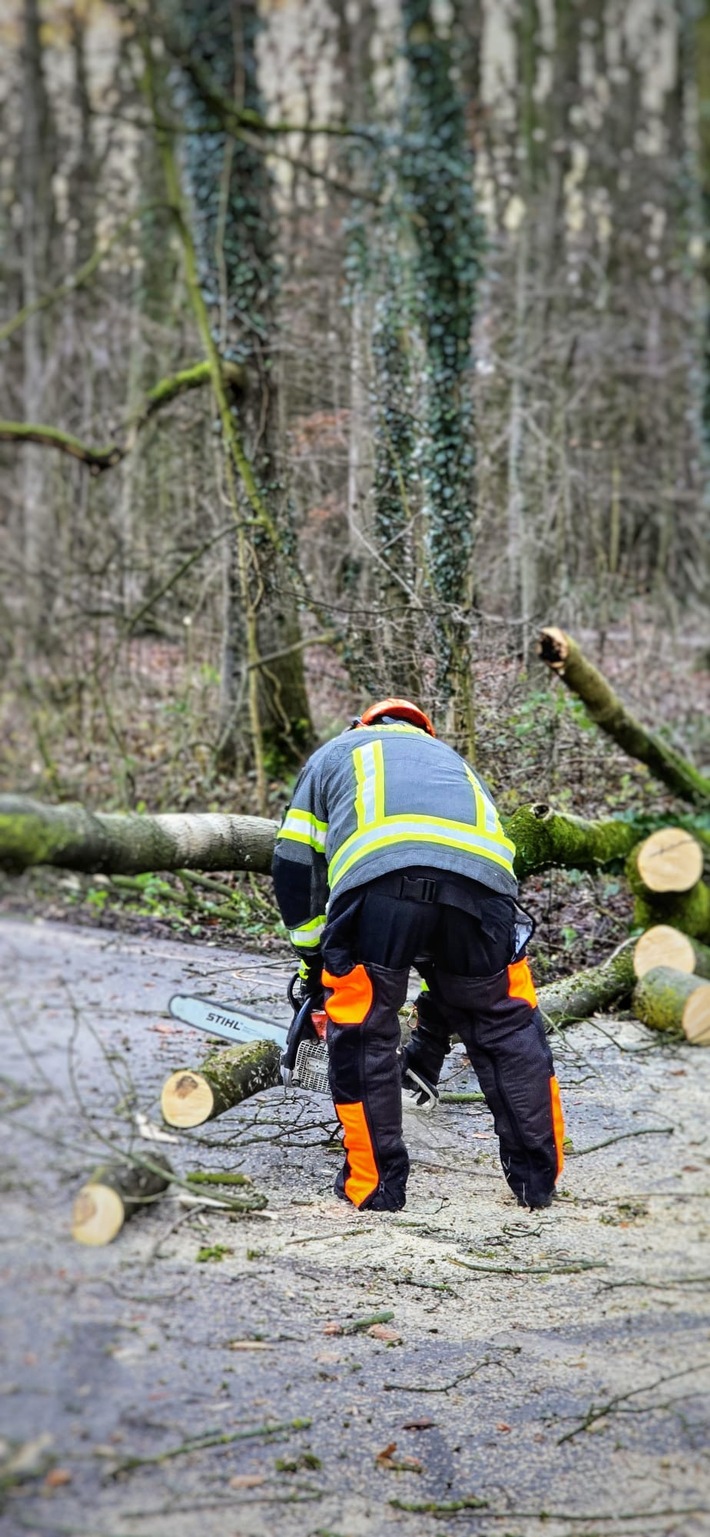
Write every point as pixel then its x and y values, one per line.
pixel 419 1424
pixel 382 1332
pixel 247 1481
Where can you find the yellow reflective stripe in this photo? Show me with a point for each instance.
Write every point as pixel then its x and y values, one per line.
pixel 370 781
pixel 419 829
pixel 308 935
pixel 302 827
pixel 486 814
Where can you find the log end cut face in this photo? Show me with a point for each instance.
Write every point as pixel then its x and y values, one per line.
pixel 98 1215
pixel 696 1016
pixel 670 860
pixel 187 1099
pixel 662 945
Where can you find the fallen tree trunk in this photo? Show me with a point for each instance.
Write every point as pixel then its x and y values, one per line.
pixel 117 843
pixel 114 1193
pixel 663 945
pixel 664 875
pixel 114 843
pixel 564 657
pixel 192 1096
pixel 671 1000
pixel 590 991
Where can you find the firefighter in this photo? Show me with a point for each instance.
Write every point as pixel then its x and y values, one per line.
pixel 392 855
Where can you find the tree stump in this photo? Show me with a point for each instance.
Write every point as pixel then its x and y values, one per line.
pixel 192 1096
pixel 671 1000
pixel 114 1193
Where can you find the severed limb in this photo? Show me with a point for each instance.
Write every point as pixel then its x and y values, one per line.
pixel 192 1096
pixel 565 658
pixel 665 876
pixel 665 999
pixel 115 1192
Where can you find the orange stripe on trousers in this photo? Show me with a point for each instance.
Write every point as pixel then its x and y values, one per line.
pixel 520 983
pixel 363 1177
pixel 558 1123
pixel 351 998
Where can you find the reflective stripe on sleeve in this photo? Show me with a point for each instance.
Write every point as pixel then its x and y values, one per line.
pixel 302 827
pixel 307 937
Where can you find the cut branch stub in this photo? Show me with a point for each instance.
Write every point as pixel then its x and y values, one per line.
pixel 671 1000
pixel 662 945
pixel 192 1096
pixel 113 1194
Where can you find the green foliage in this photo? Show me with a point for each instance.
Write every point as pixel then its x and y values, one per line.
pixel 211 1254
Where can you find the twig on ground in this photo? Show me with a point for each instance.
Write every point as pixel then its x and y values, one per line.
pixel 209 1439
pixel 599 1412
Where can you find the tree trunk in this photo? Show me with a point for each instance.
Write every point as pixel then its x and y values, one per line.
pixel 604 707
pixel 192 1096
pixel 589 991
pixel 671 1000
pixel 34 834
pixel 663 945
pixel 115 843
pixel 114 1193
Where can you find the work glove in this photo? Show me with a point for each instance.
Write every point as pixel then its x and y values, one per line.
pixel 307 984
pixel 418 1091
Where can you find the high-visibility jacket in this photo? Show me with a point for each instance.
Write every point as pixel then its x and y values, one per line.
pixel 378 799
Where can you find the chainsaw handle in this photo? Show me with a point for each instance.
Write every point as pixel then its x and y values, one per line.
pixel 300 1029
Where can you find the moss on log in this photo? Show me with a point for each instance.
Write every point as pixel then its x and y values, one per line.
pixel 114 1193
pixel 565 658
pixel 545 837
pixel 192 1096
pixel 665 999
pixel 662 945
pixel 663 875
pixel 590 991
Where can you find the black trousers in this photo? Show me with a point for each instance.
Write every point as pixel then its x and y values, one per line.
pixel 477 985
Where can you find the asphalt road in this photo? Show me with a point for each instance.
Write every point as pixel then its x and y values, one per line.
pixel 545 1373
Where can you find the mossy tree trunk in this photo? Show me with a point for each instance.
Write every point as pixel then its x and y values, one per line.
pixel 192 1096
pixel 666 999
pixel 115 1192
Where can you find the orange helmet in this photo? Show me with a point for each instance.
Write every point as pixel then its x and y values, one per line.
pixel 401 709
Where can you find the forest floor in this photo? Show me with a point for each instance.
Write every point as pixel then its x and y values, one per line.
pixel 531 1375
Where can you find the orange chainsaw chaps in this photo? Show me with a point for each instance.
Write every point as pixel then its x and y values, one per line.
pixel 351 997
pixel 362 1173
pixel 520 983
pixel 558 1123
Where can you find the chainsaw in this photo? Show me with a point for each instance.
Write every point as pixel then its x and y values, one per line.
pixel 304 1054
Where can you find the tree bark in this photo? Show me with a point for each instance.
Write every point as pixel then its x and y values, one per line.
pixel 35 834
pixel 663 945
pixel 671 1000
pixel 590 991
pixel 564 657
pixel 114 1193
pixel 192 1096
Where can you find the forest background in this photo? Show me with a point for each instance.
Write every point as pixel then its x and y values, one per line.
pixel 344 343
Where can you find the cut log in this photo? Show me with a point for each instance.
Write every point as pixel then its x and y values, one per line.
pixel 663 945
pixel 564 657
pixel 670 860
pixel 192 1096
pixel 114 1193
pixel 590 991
pixel 671 1000
pixel 664 876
